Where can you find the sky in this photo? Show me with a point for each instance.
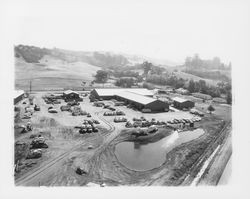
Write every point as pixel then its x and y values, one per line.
pixel 170 30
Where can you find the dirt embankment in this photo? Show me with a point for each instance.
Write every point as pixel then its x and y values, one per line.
pixel 103 166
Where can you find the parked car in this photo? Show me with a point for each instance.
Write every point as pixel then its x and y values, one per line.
pixel 120 113
pixel 35 153
pixel 65 108
pixel 88 115
pixel 95 121
pixel 50 107
pixel 106 106
pixel 111 108
pixel 52 110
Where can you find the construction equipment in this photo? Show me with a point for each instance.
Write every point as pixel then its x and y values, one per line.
pixel 73 103
pixel 26 128
pixel 38 142
pixel 36 153
pixel 80 171
pixel 88 115
pixel 37 108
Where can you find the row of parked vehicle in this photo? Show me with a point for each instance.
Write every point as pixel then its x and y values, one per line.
pixel 144 132
pixel 105 106
pixel 30 110
pixel 196 112
pixel 120 119
pixel 88 126
pixel 113 113
pixel 184 121
pixel 51 99
pixel 142 122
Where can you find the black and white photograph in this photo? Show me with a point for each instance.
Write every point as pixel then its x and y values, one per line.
pixel 110 94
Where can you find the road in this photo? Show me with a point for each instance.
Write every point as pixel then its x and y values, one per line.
pixel 226 175
pixel 201 163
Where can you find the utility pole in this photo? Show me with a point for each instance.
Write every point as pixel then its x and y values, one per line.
pixel 30 86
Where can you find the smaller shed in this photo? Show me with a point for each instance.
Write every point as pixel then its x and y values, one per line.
pixel 182 91
pixel 202 96
pixel 71 95
pixel 181 103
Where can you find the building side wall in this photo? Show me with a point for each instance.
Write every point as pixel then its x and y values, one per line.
pixel 94 94
pixel 157 106
pixel 181 105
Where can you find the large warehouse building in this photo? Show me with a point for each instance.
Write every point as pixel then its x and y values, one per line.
pixel 181 103
pixel 107 93
pixel 140 98
pixel 142 102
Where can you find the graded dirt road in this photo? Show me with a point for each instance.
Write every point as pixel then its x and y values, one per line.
pixel 33 178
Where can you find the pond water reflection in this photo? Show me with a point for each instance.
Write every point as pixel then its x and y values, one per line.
pixel 141 157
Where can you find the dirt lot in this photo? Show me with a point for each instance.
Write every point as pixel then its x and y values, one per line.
pixel 68 149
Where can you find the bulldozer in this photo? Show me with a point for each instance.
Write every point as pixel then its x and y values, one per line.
pixel 38 142
pixel 37 108
pixel 36 153
pixel 26 128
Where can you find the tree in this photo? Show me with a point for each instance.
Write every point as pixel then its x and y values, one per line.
pixel 101 76
pixel 83 84
pixel 191 86
pixel 203 86
pixel 210 108
pixel 229 98
pixel 146 67
pixel 157 70
pixel 125 82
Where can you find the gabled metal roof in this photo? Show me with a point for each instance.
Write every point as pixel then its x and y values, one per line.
pixel 115 91
pixel 69 91
pixel 178 99
pixel 136 97
pixel 17 93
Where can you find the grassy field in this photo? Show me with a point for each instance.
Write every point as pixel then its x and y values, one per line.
pixel 52 73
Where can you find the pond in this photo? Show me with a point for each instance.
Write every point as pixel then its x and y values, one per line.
pixel 142 157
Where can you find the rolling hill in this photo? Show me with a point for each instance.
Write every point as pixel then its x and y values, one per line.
pixel 58 68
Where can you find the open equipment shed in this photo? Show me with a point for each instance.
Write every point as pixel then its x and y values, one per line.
pixel 181 103
pixel 71 95
pixel 142 102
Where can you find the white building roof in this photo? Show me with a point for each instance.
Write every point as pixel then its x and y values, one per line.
pixel 112 92
pixel 69 91
pixel 17 93
pixel 136 97
pixel 178 99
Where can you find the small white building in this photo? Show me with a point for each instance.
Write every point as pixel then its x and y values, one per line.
pixel 18 96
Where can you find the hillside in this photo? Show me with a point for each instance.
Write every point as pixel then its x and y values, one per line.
pixel 52 73
pixel 58 68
